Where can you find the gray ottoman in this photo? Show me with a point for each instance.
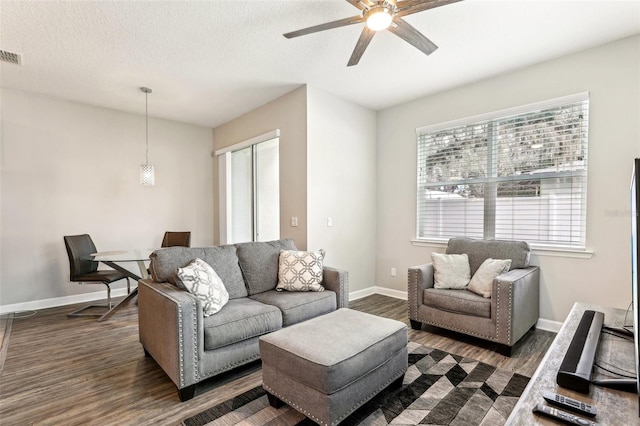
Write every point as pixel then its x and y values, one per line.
pixel 330 365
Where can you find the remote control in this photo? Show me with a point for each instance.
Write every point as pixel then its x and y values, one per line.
pixel 563 416
pixel 569 403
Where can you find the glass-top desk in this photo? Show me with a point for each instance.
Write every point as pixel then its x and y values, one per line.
pixel 112 258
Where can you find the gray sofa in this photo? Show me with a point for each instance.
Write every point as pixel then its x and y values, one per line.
pixel 512 310
pixel 190 347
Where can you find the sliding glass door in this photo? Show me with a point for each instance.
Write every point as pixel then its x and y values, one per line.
pixel 242 195
pixel 267 190
pixel 251 192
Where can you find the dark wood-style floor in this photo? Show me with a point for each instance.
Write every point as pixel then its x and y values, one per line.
pixel 76 371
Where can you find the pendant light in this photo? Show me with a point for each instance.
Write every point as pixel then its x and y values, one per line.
pixel 147 171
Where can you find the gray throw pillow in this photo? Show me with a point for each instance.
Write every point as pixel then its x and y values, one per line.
pixel 300 270
pixel 199 278
pixel 451 270
pixel 482 281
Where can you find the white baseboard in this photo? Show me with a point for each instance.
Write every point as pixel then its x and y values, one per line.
pixel 542 324
pixel 61 301
pixel 397 294
pixel 36 305
pixel 548 325
pixel 355 295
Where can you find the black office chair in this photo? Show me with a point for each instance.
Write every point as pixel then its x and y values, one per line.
pixel 85 270
pixel 176 239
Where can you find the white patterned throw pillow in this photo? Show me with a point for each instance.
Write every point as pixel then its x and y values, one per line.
pixel 199 278
pixel 300 270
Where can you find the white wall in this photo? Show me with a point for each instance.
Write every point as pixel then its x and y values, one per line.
pixel 341 182
pixel 287 113
pixel 611 74
pixel 69 168
pixel 327 169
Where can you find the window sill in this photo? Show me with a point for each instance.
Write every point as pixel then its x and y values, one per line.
pixel 537 251
pixel 562 252
pixel 430 243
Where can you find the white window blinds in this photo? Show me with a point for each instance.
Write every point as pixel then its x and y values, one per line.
pixel 519 174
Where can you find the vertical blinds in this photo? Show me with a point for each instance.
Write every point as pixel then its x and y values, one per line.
pixel 513 176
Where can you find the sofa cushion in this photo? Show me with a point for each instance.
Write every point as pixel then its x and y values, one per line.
pixel 450 270
pixel 166 261
pixel 458 301
pixel 300 270
pixel 259 263
pixel 202 281
pixel 482 281
pixel 239 320
pixel 298 306
pixel 478 250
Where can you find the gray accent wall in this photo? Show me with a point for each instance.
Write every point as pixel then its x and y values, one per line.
pixel 327 169
pixel 289 114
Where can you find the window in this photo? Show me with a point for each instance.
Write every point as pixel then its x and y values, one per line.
pixel 250 190
pixel 519 174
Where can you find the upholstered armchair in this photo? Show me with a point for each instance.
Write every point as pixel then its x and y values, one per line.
pixel 504 318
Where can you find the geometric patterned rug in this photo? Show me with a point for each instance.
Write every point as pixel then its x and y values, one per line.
pixel 439 388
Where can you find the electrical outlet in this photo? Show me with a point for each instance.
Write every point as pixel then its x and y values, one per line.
pixel 329 221
pixel 294 221
pixel 393 272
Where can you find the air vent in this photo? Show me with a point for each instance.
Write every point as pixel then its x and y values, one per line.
pixel 13 58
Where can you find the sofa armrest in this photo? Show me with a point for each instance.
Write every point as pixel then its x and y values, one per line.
pixel 337 280
pixel 170 329
pixel 419 278
pixel 516 302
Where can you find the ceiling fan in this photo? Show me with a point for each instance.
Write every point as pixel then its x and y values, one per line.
pixel 382 15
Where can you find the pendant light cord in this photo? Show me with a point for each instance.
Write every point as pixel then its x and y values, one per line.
pixel 146 114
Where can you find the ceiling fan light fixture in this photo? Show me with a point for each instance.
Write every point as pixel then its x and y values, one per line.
pixel 378 18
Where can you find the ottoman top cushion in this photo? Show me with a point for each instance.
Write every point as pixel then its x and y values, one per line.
pixel 330 352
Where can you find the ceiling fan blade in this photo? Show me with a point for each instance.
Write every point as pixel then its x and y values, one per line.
pixel 412 36
pixel 408 7
pixel 335 24
pixel 363 42
pixel 360 4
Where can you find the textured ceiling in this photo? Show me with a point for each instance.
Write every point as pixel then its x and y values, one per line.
pixel 210 61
